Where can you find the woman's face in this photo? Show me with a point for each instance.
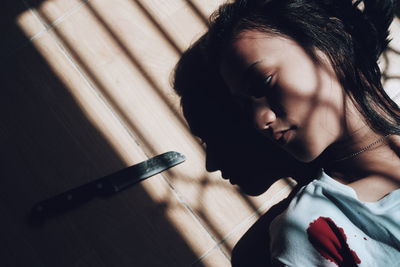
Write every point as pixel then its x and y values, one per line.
pixel 294 99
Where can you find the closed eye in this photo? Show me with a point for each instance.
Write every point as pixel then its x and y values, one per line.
pixel 259 90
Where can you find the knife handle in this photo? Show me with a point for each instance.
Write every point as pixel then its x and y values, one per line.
pixel 71 198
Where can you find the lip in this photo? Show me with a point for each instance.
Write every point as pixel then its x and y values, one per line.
pixel 224 175
pixel 278 135
pixel 227 176
pixel 283 137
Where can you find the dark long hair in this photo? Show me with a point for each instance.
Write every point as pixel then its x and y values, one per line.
pixel 353 34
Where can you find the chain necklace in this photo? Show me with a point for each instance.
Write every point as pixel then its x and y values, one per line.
pixel 368 147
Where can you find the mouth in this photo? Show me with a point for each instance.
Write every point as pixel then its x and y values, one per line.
pixel 227 176
pixel 224 175
pixel 283 137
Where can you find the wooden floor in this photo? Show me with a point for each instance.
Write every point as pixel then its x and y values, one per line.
pixel 86 92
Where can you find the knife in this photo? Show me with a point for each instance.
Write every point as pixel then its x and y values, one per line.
pixel 107 185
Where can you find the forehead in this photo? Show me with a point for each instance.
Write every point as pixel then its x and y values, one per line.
pixel 255 49
pixel 251 44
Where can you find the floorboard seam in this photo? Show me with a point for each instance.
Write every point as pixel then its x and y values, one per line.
pixel 88 81
pixel 122 123
pixel 196 218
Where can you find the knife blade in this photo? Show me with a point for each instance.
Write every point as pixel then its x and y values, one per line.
pixel 107 185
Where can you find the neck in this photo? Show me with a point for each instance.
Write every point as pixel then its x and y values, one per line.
pixel 358 151
pixel 373 173
pixel 363 159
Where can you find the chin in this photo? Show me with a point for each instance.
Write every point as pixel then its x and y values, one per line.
pixel 303 151
pixel 252 191
pixel 303 156
pixel 255 185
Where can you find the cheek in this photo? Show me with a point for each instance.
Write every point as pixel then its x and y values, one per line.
pixel 298 107
pixel 302 75
pixel 313 95
pixel 318 130
pixel 312 100
pixel 300 96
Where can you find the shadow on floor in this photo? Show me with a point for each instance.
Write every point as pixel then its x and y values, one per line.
pixel 48 146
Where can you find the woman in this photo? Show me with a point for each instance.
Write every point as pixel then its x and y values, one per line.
pixel 306 72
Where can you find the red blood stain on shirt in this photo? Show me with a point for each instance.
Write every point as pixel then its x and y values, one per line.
pixel 331 242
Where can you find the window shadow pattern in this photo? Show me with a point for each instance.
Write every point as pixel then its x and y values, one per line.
pixel 97 84
pixel 48 146
pixel 31 182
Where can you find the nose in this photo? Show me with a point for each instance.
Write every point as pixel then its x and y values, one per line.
pixel 263 115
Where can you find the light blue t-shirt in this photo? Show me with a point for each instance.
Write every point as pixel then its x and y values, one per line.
pixel 326 225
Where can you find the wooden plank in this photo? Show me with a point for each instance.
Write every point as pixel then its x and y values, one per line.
pixel 50 144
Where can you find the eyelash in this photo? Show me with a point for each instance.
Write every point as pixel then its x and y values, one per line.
pixel 259 90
